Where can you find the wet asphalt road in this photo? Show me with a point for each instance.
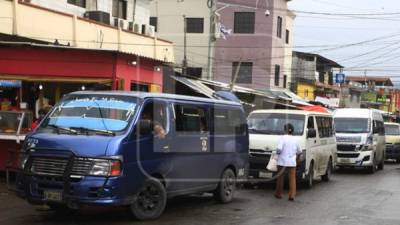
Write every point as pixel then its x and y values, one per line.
pixel 349 198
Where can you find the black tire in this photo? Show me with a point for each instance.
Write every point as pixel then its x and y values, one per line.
pixel 226 187
pixel 151 201
pixel 310 177
pixel 327 176
pixel 372 169
pixel 381 165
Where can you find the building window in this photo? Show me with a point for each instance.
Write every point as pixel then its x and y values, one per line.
pixel 154 22
pixel 195 25
pixel 119 9
pixel 284 81
pixel 80 3
pixel 245 72
pixel 277 73
pixel 279 27
pixel 244 22
pixel 287 36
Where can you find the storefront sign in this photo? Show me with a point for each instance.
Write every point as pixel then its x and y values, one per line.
pixel 10 83
pixel 381 99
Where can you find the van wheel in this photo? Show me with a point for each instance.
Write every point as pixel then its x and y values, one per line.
pixel 226 187
pixel 310 177
pixel 381 165
pixel 372 169
pixel 150 201
pixel 327 176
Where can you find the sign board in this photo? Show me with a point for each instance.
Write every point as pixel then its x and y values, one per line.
pixel 10 83
pixel 368 96
pixel 340 78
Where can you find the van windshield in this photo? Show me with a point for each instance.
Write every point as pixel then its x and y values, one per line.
pixel 392 130
pixel 352 125
pixel 92 113
pixel 273 123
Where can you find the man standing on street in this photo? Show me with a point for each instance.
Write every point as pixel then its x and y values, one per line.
pixel 288 151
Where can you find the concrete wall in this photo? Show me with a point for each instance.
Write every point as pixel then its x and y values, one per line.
pixel 263 48
pixel 171 27
pixel 50 26
pixel 142 12
pixel 303 68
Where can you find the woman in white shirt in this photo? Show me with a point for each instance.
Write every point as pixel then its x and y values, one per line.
pixel 288 152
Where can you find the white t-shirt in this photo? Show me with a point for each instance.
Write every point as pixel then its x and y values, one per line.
pixel 288 149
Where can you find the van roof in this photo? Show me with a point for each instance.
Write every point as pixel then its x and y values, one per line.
pixel 291 111
pixel 358 113
pixel 144 95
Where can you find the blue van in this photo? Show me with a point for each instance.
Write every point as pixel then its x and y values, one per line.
pixel 134 149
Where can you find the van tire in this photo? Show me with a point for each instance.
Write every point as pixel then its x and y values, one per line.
pixel 310 177
pixel 150 201
pixel 372 169
pixel 327 176
pixel 226 187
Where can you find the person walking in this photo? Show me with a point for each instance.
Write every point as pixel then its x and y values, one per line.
pixel 288 152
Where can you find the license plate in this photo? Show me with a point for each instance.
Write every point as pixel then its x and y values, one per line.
pixel 345 160
pixel 52 195
pixel 264 175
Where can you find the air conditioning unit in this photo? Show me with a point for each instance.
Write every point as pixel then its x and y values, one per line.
pixel 130 26
pixel 151 31
pixel 144 29
pixel 99 16
pixel 121 24
pixel 136 28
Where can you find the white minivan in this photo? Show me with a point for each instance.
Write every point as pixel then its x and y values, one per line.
pixel 314 130
pixel 360 135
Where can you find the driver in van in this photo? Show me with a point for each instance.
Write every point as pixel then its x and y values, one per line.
pixel 288 152
pixel 158 129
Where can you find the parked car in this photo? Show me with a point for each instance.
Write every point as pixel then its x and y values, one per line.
pixel 134 149
pixel 315 132
pixel 360 135
pixel 392 137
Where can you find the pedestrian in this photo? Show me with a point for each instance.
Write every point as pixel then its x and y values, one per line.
pixel 288 153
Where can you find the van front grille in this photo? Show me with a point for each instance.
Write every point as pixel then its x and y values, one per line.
pixel 346 148
pixel 57 166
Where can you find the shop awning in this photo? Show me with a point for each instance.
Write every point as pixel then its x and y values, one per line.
pixel 56 79
pixel 196 86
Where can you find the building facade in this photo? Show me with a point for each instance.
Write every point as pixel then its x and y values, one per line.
pixel 287 77
pixel 310 69
pixel 257 43
pixel 128 14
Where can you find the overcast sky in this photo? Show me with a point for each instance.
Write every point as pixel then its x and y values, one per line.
pixel 331 34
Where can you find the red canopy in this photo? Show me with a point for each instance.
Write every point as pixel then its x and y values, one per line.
pixel 315 108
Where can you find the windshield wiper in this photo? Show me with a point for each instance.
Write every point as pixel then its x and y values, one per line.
pixel 72 131
pixel 98 131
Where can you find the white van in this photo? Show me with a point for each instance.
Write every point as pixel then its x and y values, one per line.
pixel 316 135
pixel 360 134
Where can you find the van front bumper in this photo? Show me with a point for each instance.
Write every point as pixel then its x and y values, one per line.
pixel 75 192
pixel 355 159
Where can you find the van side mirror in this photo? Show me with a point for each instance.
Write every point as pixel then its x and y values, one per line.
pixel 311 133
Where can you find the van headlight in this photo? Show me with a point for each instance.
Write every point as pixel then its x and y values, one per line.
pixel 106 167
pixel 364 148
pixel 22 159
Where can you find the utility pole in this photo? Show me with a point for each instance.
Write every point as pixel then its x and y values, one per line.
pixel 184 63
pixel 213 7
pixel 234 78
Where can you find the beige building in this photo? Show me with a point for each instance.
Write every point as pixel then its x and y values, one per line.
pixel 167 16
pixel 289 49
pixel 70 29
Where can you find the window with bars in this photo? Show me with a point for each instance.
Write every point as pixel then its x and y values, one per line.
pixel 245 74
pixel 119 9
pixel 244 22
pixel 279 27
pixel 80 3
pixel 194 25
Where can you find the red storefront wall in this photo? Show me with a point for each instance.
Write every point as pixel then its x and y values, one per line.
pixel 44 62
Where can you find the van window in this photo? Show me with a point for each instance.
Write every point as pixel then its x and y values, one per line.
pixel 274 123
pixel 228 122
pixel 378 127
pixel 352 125
pixel 392 130
pixel 153 114
pixel 190 119
pixel 325 126
pixel 310 123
